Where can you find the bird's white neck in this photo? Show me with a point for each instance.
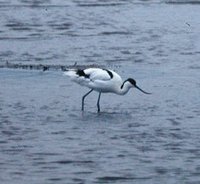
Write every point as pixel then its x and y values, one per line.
pixel 124 88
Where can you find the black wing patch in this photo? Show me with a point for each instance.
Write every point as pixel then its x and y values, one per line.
pixel 81 73
pixel 109 73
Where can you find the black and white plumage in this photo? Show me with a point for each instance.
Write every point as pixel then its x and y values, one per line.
pixel 102 81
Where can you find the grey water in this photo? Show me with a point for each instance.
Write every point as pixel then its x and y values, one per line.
pixel 137 138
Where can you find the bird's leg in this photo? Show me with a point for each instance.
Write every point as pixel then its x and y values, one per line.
pixel 83 98
pixel 98 106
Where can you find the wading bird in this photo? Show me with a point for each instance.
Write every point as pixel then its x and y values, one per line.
pixel 102 81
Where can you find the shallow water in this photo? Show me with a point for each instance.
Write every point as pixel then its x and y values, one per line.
pixel 137 138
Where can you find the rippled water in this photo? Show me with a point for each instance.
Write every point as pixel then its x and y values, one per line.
pixel 44 136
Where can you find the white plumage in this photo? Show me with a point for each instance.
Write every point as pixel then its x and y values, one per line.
pixel 102 81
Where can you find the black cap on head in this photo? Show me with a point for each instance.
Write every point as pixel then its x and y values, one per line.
pixel 132 81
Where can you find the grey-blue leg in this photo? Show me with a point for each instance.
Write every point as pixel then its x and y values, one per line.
pixel 98 106
pixel 83 98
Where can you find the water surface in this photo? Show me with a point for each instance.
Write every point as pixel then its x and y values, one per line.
pixel 137 138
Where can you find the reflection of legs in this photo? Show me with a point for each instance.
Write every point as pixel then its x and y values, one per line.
pixel 83 98
pixel 98 106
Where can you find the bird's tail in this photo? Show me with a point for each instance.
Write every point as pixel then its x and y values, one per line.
pixel 72 73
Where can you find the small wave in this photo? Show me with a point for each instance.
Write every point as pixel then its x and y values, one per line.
pixel 115 33
pixel 119 178
pixel 183 1
pixel 100 4
pixel 64 26
pixel 73 162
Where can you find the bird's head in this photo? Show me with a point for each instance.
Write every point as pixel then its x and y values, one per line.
pixel 133 83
